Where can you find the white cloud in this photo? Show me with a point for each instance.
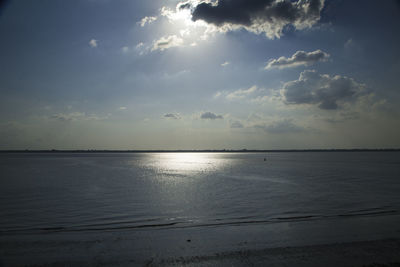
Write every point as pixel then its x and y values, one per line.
pixel 217 94
pixel 141 49
pixel 77 116
pixel 181 20
pixel 300 58
pixel 226 63
pixel 167 42
pixel 93 43
pixel 147 20
pixel 241 93
pixel 238 94
pixel 184 32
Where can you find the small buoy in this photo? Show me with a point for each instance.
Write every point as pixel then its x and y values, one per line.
pixel 188 240
pixel 265 159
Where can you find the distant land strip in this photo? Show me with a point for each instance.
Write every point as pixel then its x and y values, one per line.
pixel 200 150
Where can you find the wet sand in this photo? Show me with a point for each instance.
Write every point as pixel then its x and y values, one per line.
pixel 377 253
pixel 367 253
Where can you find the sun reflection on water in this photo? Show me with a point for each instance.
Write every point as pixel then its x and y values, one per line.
pixel 185 163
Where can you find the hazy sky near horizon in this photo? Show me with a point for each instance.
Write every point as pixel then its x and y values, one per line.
pixel 169 74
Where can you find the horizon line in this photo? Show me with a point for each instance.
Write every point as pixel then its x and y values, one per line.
pixel 193 150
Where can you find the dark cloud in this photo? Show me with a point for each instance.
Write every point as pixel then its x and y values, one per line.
pixel 268 16
pixel 210 116
pixel 323 90
pixel 229 11
pixel 172 116
pixel 299 58
pixel 186 5
pixel 3 5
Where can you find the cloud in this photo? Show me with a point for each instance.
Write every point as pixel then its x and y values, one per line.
pixel 238 94
pixel 259 16
pixel 300 58
pixel 147 20
pixel 328 92
pixel 218 94
pixel 241 93
pixel 68 116
pixel 125 49
pixel 172 116
pixel 236 124
pixel 93 43
pixel 352 46
pixel 140 48
pixel 77 116
pixel 281 126
pixel 167 42
pixel 349 43
pixel 210 116
pixel 226 63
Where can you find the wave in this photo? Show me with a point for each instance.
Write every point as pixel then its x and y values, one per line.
pixel 173 223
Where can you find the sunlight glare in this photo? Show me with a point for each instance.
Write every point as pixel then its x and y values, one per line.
pixel 187 162
pixel 181 22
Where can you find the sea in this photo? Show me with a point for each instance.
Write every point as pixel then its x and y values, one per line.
pixel 141 206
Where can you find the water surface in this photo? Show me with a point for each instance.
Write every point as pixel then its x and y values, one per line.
pixel 67 192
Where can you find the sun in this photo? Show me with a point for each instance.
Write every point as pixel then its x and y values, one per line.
pixel 180 21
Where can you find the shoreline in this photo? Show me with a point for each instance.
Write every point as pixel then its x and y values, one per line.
pixel 372 253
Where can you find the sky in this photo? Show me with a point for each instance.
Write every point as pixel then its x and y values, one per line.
pixel 199 74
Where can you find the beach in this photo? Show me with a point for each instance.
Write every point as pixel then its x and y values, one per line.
pixel 377 253
pixel 368 253
pixel 375 241
pixel 200 209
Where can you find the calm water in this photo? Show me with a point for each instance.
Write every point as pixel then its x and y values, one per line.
pixel 45 193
